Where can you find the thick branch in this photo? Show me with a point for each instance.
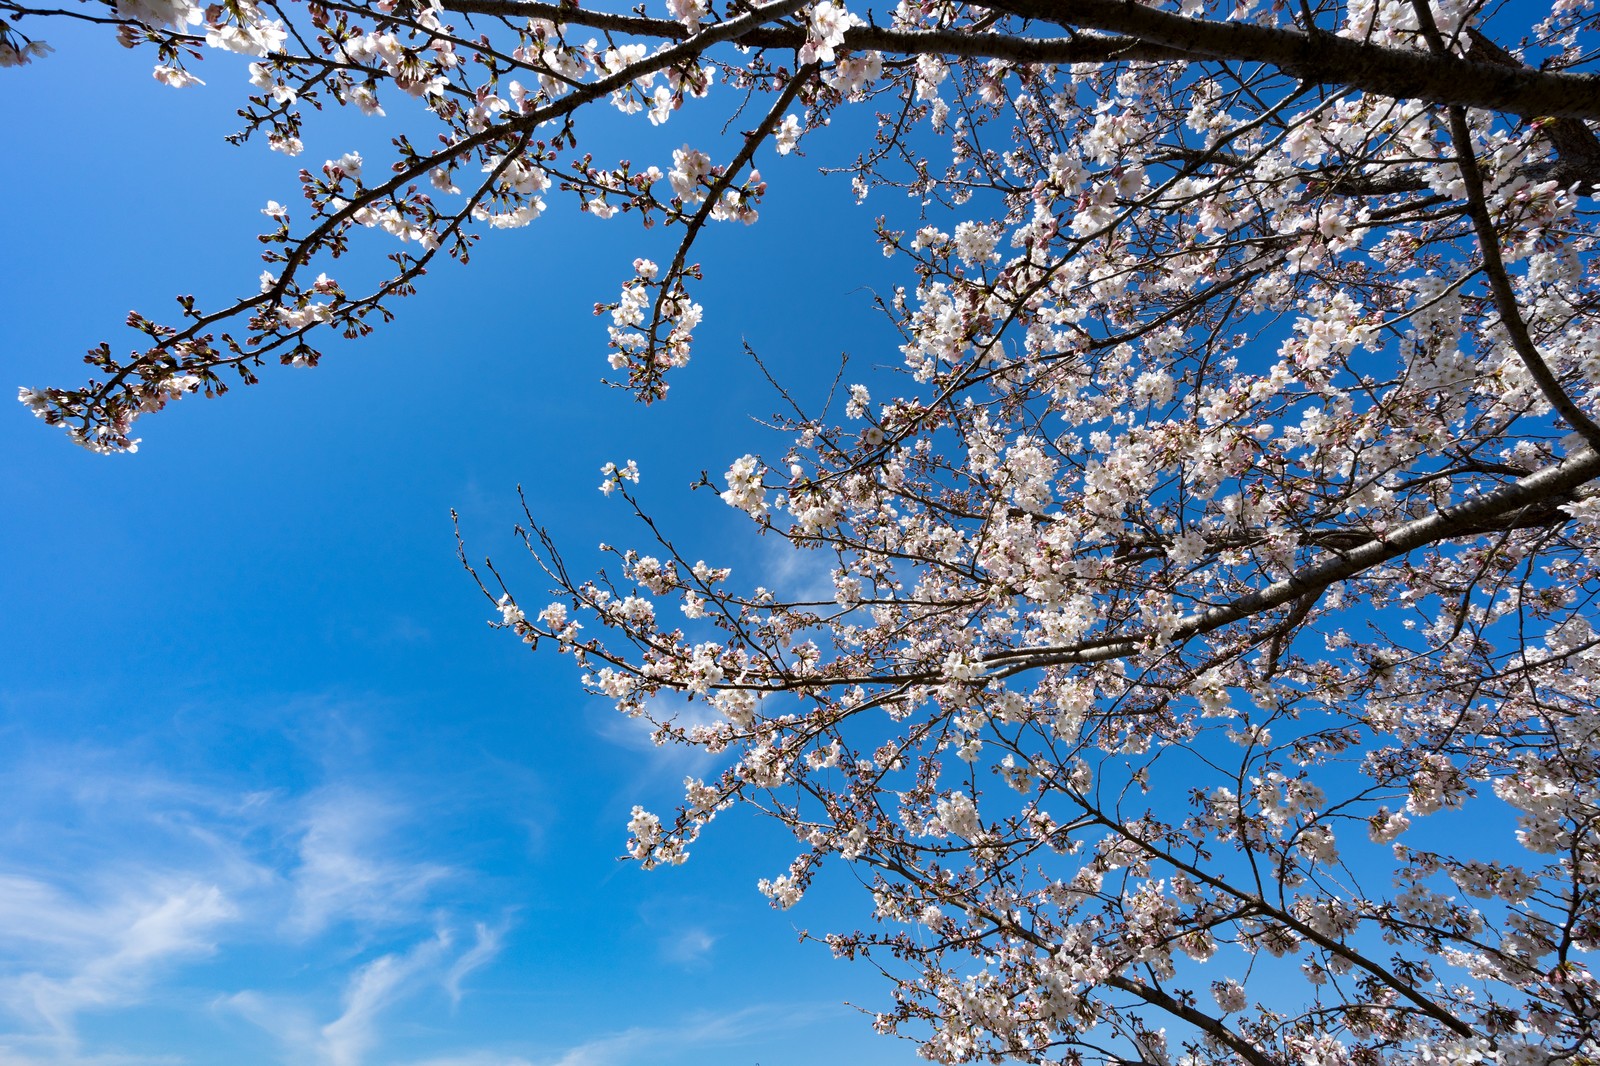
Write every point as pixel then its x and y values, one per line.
pixel 1505 298
pixel 1178 1009
pixel 1080 48
pixel 1460 520
pixel 1576 145
pixel 1324 59
pixel 1144 33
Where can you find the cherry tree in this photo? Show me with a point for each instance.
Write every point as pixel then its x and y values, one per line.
pixel 1209 674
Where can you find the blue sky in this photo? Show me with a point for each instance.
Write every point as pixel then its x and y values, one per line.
pixel 276 793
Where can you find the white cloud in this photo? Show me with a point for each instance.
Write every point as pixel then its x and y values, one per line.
pixel 688 945
pixel 482 952
pixel 477 1058
pixel 370 992
pixel 665 762
pixel 116 881
pixel 346 1040
pixel 344 873
pixel 64 1053
pixel 293 1024
pixel 644 1045
pixel 796 574
pixel 697 1037
pixel 99 953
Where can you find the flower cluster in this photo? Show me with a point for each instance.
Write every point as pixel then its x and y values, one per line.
pixel 1203 598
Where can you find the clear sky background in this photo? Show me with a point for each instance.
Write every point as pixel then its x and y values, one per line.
pixel 273 790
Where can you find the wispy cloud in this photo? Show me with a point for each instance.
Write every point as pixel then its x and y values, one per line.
pixel 346 1040
pixel 371 991
pixel 664 762
pixel 113 880
pixel 294 1024
pixel 99 953
pixel 796 574
pixel 482 952
pixel 696 1039
pixel 688 945
pixel 642 1045
pixel 345 868
pixel 477 1058
pixel 145 877
pixel 64 1053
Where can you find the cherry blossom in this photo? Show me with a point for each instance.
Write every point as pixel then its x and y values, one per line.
pixel 1208 670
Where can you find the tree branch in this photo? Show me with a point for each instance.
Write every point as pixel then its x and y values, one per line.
pixel 1326 59
pixel 1080 48
pixel 1459 520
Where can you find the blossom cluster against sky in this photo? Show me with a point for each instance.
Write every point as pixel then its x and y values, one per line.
pixel 275 792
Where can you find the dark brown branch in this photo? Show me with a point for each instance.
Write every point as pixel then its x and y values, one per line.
pixel 1325 59
pixel 300 252
pixel 1204 1022
pixel 672 285
pixel 1533 491
pixel 1080 48
pixel 1576 145
pixel 1285 917
pixel 1547 512
pixel 1494 267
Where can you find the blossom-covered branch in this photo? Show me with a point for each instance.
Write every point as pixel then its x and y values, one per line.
pixel 1206 667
